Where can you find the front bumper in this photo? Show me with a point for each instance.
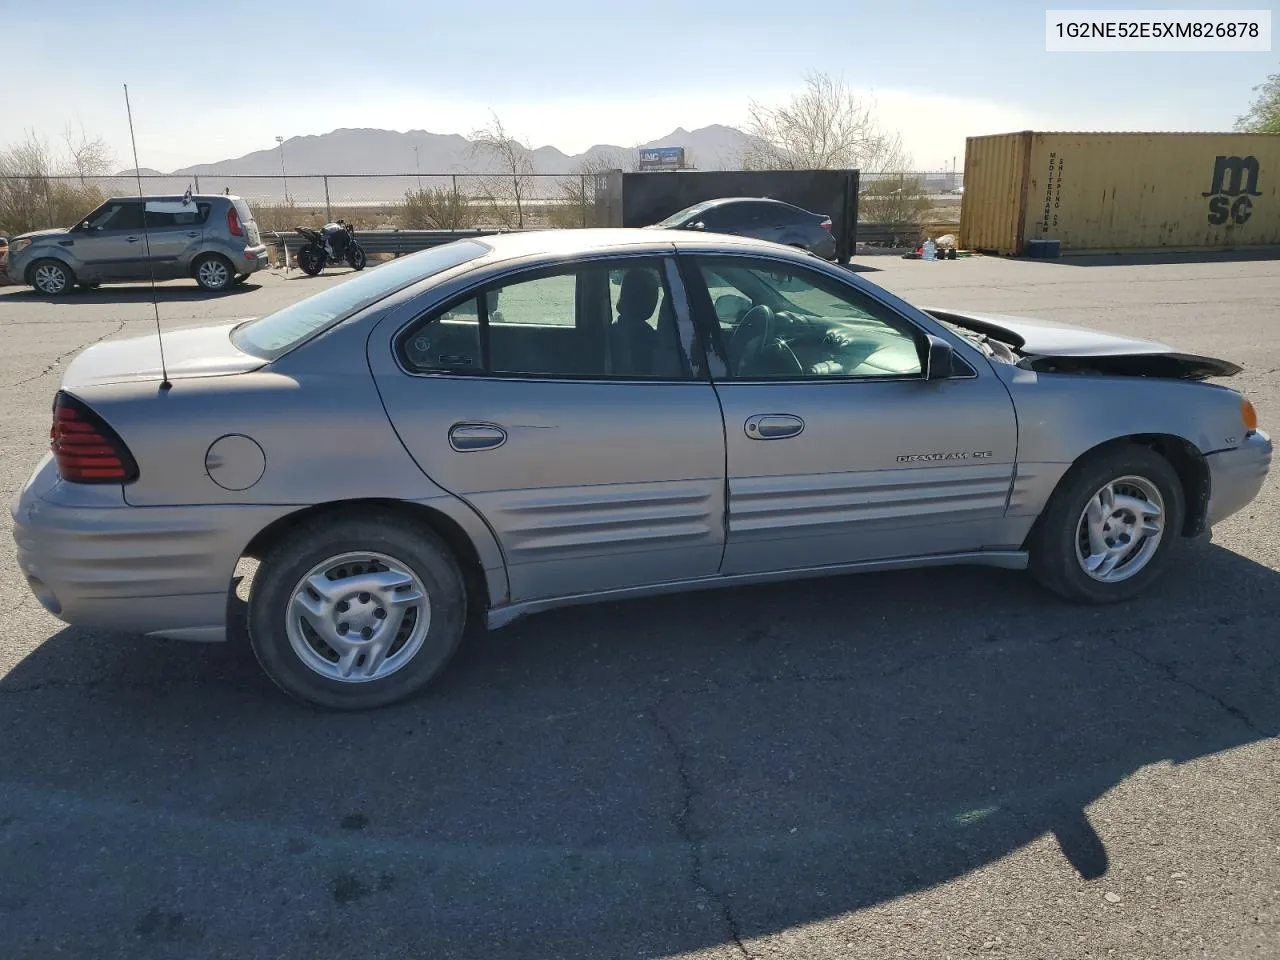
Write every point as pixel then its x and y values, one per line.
pixel 94 561
pixel 1236 476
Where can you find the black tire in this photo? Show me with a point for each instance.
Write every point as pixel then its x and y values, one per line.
pixel 1053 540
pixel 416 548
pixel 311 260
pixel 239 278
pixel 213 272
pixel 51 277
pixel 356 257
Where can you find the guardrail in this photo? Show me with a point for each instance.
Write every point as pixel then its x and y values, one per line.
pixel 395 242
pixel 399 242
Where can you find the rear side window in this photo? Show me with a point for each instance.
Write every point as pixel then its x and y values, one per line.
pixel 177 214
pixel 277 333
pixel 588 322
pixel 242 210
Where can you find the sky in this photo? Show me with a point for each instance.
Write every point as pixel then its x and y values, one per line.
pixel 211 83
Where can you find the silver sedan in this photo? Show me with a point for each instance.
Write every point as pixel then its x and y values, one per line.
pixel 504 425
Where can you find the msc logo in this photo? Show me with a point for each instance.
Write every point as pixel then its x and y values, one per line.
pixel 1230 197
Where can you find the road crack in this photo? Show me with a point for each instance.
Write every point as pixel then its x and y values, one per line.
pixel 1171 672
pixel 689 835
pixel 72 352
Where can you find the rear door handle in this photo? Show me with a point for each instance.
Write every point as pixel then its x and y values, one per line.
pixel 193 234
pixel 132 239
pixel 774 426
pixel 464 437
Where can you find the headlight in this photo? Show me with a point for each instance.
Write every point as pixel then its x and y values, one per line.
pixel 17 246
pixel 1249 416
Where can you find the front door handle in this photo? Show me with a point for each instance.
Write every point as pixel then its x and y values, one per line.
pixel 476 436
pixel 132 239
pixel 193 234
pixel 774 426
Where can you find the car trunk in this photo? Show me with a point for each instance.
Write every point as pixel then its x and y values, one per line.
pixel 204 351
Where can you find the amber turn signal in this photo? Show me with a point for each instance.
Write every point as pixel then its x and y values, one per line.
pixel 1248 415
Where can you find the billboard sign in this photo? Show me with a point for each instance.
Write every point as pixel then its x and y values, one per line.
pixel 661 158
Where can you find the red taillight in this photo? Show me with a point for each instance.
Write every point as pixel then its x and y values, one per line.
pixel 233 222
pixel 826 224
pixel 85 449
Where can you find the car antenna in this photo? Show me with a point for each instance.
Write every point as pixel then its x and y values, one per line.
pixel 146 239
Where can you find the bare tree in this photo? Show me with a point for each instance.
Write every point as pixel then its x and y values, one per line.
pixel 87 157
pixel 31 195
pixel 508 190
pixel 827 126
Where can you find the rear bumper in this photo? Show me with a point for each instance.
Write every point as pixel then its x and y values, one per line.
pixel 93 561
pixel 253 259
pixel 1236 476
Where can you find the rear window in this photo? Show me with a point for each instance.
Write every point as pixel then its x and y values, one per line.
pixel 277 333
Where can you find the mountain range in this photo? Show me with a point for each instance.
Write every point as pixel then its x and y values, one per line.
pixel 411 153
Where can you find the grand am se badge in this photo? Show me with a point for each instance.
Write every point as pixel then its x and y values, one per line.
pixel 959 455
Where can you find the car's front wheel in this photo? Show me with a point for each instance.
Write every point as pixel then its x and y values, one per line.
pixel 1110 527
pixel 357 612
pixel 53 278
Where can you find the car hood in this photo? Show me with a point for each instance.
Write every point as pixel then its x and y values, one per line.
pixel 1052 346
pixel 32 234
pixel 204 351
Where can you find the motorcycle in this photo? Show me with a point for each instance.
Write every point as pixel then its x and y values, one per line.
pixel 315 255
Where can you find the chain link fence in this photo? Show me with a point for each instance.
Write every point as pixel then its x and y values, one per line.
pixel 449 201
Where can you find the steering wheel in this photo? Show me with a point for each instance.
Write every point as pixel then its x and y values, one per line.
pixel 748 345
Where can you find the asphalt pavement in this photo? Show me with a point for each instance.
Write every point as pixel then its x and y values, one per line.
pixel 933 764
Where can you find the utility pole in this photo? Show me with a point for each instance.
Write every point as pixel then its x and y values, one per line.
pixel 283 173
pixel 417 166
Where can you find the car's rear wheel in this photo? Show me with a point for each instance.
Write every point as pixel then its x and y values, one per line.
pixel 53 278
pixel 1110 527
pixel 357 612
pixel 213 272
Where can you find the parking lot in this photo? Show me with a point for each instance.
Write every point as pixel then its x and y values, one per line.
pixel 931 764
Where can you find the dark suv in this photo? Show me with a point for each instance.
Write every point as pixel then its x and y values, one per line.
pixel 761 218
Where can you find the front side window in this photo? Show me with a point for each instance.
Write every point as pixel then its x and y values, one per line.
pixel 779 321
pixel 593 321
pixel 121 215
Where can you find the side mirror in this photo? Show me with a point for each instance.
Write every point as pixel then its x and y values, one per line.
pixel 940 364
pixel 699 225
pixel 730 306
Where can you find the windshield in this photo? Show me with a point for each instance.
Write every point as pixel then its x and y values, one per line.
pixel 677 218
pixel 277 333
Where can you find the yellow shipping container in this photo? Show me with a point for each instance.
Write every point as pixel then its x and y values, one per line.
pixel 1121 192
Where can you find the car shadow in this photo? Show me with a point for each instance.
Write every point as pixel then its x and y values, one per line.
pixel 166 292
pixel 642 778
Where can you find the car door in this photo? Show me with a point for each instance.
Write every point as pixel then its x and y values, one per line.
pixel 563 404
pixel 111 246
pixel 838 449
pixel 174 231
